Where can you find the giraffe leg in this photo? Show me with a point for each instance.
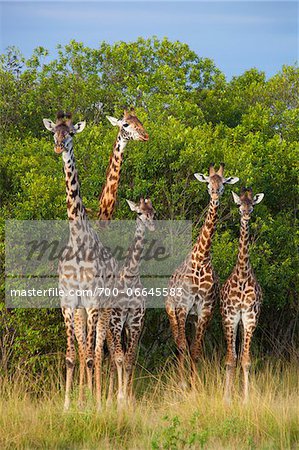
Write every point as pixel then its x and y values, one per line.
pixel 80 333
pixel 170 310
pixel 177 319
pixel 181 314
pixel 111 381
pixel 68 314
pixel 92 318
pixel 249 327
pixel 130 358
pixel 110 344
pixel 102 326
pixel 119 360
pixel 230 329
pixel 196 347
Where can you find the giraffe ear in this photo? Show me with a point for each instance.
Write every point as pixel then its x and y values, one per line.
pixel 237 199
pixel 49 125
pixel 133 206
pixel 258 198
pixel 230 180
pixel 113 121
pixel 79 126
pixel 201 177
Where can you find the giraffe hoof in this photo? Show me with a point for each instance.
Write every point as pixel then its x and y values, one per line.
pixel 80 404
pixel 109 402
pixel 227 400
pixel 194 379
pixel 131 401
pixel 66 406
pixel 245 401
pixel 99 408
pixel 121 402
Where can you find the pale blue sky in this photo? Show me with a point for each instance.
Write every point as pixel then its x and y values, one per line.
pixel 236 35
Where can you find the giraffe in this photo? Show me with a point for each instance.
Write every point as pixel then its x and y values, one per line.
pixel 241 298
pixel 128 314
pixel 130 128
pixel 81 266
pixel 195 281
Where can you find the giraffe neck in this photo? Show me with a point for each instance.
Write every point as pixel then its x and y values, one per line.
pixel 243 254
pixel 108 196
pixel 201 251
pixel 75 207
pixel 131 265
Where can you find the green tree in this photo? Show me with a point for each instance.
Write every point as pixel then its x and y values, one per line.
pixel 194 116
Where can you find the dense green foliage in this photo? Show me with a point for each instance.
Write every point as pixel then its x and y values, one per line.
pixel 194 116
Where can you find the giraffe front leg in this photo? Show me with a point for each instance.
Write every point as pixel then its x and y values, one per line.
pixel 177 326
pixel 80 333
pixel 249 327
pixel 230 325
pixel 181 314
pixel 68 314
pixel 102 326
pixel 196 347
pixel 92 318
pixel 130 359
pixel 119 361
pixel 170 310
pixel 110 345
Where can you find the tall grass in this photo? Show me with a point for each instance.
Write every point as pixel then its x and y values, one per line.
pixel 163 416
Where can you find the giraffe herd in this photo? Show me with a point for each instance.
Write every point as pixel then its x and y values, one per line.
pixel 94 320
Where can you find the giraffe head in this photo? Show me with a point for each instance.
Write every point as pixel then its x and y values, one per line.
pixel 145 212
pixel 63 130
pixel 216 181
pixel 246 201
pixel 130 127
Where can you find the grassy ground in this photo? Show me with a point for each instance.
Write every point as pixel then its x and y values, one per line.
pixel 163 417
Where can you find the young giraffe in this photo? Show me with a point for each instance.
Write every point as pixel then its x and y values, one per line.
pixel 128 315
pixel 196 279
pixel 82 265
pixel 130 128
pixel 241 297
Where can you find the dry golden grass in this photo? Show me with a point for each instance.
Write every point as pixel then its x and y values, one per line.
pixel 163 416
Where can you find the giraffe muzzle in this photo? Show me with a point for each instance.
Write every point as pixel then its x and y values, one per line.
pixel 59 149
pixel 144 137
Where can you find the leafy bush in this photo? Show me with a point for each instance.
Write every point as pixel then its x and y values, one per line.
pixel 194 116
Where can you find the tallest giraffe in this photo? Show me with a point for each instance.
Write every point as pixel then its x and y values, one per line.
pixel 130 129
